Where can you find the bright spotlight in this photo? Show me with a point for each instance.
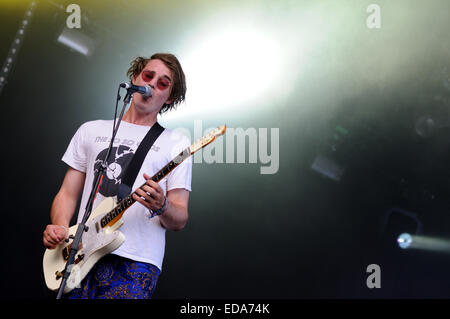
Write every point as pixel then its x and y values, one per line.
pixel 404 240
pixel 232 67
pixel 408 241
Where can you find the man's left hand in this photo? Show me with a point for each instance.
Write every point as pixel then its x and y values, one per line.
pixel 150 195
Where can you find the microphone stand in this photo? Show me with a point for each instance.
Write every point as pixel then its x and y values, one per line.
pixel 97 180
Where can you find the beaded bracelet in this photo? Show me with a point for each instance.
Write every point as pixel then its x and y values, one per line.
pixel 158 212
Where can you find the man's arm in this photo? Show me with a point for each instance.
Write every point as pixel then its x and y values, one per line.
pixel 176 214
pixel 63 208
pixel 152 197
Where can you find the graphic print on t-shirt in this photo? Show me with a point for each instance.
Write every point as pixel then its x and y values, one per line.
pixel 117 163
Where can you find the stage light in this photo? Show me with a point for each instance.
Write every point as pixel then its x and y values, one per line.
pixel 404 240
pixel 408 241
pixel 15 46
pixel 77 41
pixel 236 60
pixel 328 168
pixel 425 126
pixel 228 68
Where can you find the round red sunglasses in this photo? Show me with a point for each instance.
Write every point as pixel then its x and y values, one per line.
pixel 162 83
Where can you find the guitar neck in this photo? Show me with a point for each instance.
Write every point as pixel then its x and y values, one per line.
pixel 116 213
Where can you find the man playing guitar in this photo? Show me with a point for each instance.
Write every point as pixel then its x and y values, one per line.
pixel 132 270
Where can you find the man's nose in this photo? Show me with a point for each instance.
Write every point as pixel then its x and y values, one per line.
pixel 152 83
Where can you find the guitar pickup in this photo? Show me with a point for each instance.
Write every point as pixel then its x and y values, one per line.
pixel 66 251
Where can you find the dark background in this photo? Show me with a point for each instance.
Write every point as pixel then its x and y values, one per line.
pixel 358 97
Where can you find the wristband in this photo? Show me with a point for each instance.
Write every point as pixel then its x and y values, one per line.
pixel 158 212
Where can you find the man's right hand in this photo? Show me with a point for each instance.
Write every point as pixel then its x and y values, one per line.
pixel 63 208
pixel 54 235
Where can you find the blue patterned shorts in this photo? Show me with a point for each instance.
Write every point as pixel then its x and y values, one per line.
pixel 115 277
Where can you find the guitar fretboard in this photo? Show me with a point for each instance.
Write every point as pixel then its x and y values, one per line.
pixel 128 201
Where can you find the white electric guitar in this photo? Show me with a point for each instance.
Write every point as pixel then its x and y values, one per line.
pixel 102 235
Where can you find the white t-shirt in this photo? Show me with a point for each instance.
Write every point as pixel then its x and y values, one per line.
pixel 145 238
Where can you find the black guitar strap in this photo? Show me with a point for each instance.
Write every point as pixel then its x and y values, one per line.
pixel 136 162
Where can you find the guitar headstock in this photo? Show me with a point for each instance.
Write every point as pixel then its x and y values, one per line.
pixel 208 138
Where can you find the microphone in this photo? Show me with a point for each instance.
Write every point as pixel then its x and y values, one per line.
pixel 146 91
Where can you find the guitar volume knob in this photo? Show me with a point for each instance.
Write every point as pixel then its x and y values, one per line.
pixel 69 238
